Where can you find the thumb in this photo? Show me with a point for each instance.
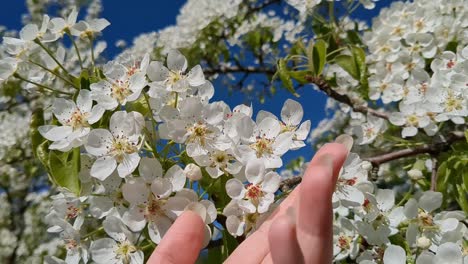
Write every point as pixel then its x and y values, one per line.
pixel 182 242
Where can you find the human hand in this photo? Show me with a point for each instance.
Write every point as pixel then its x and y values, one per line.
pixel 299 231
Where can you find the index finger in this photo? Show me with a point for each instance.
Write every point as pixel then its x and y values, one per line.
pixel 182 242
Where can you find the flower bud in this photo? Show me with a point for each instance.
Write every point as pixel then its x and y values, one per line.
pixel 193 172
pixel 366 165
pixel 423 242
pixel 415 174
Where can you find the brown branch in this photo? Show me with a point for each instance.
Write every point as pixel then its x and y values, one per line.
pixel 342 98
pixel 288 184
pixel 433 149
pixel 434 173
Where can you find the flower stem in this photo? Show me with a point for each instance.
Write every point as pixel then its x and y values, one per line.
pixel 76 49
pixel 38 42
pixel 91 40
pixel 41 85
pixel 54 73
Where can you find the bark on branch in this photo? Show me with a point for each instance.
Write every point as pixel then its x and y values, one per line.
pixel 433 149
pixel 342 98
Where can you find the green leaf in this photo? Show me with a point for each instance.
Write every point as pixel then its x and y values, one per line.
pixel 347 63
pixel 300 76
pixel 229 244
pixel 319 54
pixel 443 173
pixel 37 120
pixel 285 77
pixel 215 256
pixel 64 169
pixel 466 135
pixel 462 198
pixel 139 105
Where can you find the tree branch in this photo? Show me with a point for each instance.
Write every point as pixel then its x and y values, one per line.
pixel 433 149
pixel 342 98
pixel 288 184
pixel 434 173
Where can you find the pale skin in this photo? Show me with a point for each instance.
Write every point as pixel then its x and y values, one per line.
pixel 299 231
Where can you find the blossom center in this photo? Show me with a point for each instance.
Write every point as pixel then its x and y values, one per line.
pixel 254 191
pixel 198 133
pixel 78 119
pixel 120 91
pixel 344 242
pixel 121 146
pixel 124 250
pixel 262 146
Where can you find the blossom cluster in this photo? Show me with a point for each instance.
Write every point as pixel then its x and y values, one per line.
pixel 146 143
pixel 127 183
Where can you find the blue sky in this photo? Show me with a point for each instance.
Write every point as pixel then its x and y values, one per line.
pixel 131 18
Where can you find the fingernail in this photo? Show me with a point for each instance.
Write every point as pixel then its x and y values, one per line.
pixel 345 140
pixel 291 213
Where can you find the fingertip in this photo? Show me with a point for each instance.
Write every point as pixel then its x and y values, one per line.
pixel 284 247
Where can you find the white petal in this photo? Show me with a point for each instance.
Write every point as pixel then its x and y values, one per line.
pixel 269 128
pixel 175 206
pixel 448 253
pixel 84 101
pixel 128 165
pixel 292 112
pixel 99 140
pixel 394 255
pixel 134 219
pixel 409 132
pixel 430 201
pixel 158 228
pixel 102 250
pixel 255 170
pixel 135 191
pixel 211 212
pixel 150 169
pixel 176 61
pixel 29 32
pixel 235 189
pixel 195 77
pixel 271 182
pixel 303 131
pixel 116 229
pixel 161 187
pixel 103 167
pixel 157 72
pixel 177 177
pixel 234 226
pixel 55 133
pixel 385 199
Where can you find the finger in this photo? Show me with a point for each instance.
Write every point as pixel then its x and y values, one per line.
pixel 315 212
pixel 337 150
pixel 182 242
pixel 284 247
pixel 255 247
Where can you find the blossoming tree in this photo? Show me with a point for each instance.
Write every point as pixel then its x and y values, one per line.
pixel 118 149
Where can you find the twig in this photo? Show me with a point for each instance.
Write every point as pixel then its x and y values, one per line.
pixel 433 149
pixel 326 88
pixel 288 184
pixel 434 173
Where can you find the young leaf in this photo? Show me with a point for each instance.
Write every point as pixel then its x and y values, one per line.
pixel 347 63
pixel 37 120
pixel 319 54
pixel 64 169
